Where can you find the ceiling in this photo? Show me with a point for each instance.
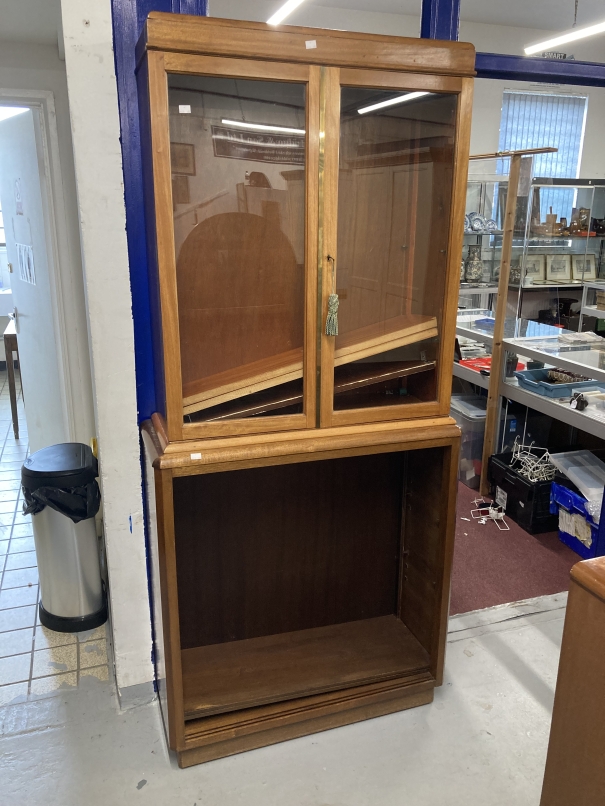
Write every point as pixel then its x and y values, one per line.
pixel 38 20
pixel 543 14
pixel 30 21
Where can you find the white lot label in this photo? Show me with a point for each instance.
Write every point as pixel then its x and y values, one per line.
pixel 501 497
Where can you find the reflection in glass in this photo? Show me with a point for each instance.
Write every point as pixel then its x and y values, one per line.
pixel 238 154
pixel 395 185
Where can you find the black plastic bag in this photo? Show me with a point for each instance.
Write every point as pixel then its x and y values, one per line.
pixel 77 503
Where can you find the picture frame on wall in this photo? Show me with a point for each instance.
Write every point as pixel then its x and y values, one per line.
pixel 535 269
pixel 180 189
pixel 584 267
pixel 182 158
pixel 558 268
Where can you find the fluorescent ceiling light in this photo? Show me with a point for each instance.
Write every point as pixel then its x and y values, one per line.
pixel 261 127
pixel 569 36
pixel 399 99
pixel 10 111
pixel 283 12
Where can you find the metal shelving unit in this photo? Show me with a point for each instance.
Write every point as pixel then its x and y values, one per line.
pixel 581 420
pixel 470 375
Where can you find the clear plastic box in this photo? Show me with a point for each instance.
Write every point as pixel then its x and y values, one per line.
pixel 469 412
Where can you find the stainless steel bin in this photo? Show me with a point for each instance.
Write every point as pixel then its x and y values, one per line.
pixel 61 492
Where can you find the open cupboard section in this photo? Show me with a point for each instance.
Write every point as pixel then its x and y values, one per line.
pixel 305 206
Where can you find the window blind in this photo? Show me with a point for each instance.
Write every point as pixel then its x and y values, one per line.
pixel 536 120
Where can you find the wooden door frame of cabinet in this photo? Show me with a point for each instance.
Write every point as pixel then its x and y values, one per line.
pixel 463 88
pixel 158 64
pixel 175 43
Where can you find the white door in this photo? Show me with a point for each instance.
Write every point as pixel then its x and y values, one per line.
pixel 29 248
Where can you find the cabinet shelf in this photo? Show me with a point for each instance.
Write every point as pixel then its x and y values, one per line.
pixel 245 674
pixel 347 379
pixel 281 369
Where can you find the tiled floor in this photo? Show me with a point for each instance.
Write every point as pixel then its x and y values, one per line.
pixel 34 661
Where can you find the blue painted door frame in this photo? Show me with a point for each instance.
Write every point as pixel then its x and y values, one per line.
pixel 440 19
pixel 128 19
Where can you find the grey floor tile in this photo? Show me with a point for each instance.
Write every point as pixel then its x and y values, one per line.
pixel 8 506
pixel 22 530
pixel 26 559
pixel 18 579
pixel 15 668
pixel 19 544
pixel 8 496
pixel 16 642
pixel 3 547
pixel 18 618
pixel 16 692
pixel 10 484
pixel 18 597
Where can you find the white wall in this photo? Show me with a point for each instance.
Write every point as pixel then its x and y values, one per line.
pixel 317 16
pixel 38 67
pixel 487 107
pixel 98 162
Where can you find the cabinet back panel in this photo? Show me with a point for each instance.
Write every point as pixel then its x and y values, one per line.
pixel 276 549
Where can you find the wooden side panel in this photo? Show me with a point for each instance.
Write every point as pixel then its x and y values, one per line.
pixel 170 608
pixel 428 540
pixel 278 549
pixel 575 772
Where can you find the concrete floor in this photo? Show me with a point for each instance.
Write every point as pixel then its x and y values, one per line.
pixel 481 743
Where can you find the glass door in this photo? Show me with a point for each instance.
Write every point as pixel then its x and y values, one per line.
pixel 387 269
pixel 238 270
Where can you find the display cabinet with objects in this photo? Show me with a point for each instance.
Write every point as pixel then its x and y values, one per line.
pixel 305 205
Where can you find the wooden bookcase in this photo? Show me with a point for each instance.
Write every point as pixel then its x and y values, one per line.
pixel 300 486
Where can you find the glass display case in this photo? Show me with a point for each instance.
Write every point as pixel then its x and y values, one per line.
pixel 280 192
pixel 305 194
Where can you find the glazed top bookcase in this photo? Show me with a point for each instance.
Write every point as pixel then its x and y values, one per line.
pixel 286 168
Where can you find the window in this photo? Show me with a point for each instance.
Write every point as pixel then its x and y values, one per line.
pixel 536 120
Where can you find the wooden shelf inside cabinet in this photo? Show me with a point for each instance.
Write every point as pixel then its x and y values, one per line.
pixel 281 369
pixel 383 336
pixel 348 378
pixel 257 671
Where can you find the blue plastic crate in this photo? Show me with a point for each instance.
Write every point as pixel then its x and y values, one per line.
pixel 536 380
pixel 561 497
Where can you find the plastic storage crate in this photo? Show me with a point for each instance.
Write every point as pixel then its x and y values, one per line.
pixel 526 502
pixel 576 527
pixel 469 412
pixel 536 380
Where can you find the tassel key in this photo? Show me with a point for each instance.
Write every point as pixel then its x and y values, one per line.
pixel 332 318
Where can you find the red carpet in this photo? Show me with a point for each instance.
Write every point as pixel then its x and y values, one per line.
pixel 493 567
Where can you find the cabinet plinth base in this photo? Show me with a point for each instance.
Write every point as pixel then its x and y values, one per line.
pixel 215 737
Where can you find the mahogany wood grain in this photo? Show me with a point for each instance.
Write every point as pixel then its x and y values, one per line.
pixel 575 772
pixel 170 607
pixel 428 539
pixel 312 237
pixel 329 230
pixel 245 674
pixel 182 33
pixel 162 194
pixel 307 545
pixel 211 458
pixel 349 377
pixel 382 336
pixel 223 735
